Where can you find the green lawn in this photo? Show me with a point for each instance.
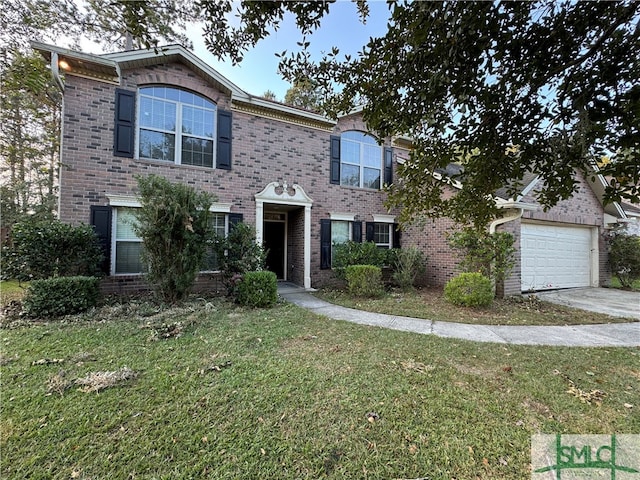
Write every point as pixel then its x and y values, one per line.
pixel 283 393
pixel 11 290
pixel 615 283
pixel 429 303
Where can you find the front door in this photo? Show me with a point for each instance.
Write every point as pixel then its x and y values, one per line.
pixel 274 238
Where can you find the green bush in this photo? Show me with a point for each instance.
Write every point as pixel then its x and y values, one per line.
pixel 364 280
pixel 238 254
pixel 58 296
pixel 624 257
pixel 258 289
pixel 469 290
pixel 407 265
pixel 355 253
pixel 173 224
pixel 51 249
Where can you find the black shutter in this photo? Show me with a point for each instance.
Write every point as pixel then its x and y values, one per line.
pixel 356 232
pixel 335 160
pixel 369 231
pixel 101 221
pixel 388 165
pixel 325 244
pixel 124 129
pixel 234 219
pixel 397 233
pixel 223 150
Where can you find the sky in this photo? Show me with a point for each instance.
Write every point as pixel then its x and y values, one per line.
pixel 342 28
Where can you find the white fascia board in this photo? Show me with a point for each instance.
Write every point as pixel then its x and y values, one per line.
pixel 519 205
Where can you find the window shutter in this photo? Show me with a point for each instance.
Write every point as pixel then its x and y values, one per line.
pixel 124 128
pixel 356 232
pixel 325 244
pixel 369 231
pixel 388 165
pixel 101 222
pixel 397 233
pixel 335 160
pixel 234 219
pixel 223 150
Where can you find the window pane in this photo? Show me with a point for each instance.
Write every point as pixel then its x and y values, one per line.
pixel 196 151
pixel 372 156
pixel 217 222
pixel 210 261
pixel 128 257
pixel 350 152
pixel 350 175
pixel 157 114
pixel 125 220
pixel 371 178
pixel 198 122
pixel 157 145
pixel 339 232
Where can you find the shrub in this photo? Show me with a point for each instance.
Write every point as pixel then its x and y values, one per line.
pixel 408 264
pixel 238 254
pixel 173 224
pixel 51 249
pixel 490 254
pixel 355 253
pixel 364 280
pixel 624 257
pixel 60 296
pixel 470 290
pixel 258 289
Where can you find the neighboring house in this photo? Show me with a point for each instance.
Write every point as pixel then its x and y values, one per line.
pixel 304 181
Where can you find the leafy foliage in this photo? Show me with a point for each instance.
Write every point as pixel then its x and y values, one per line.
pixel 364 280
pixel 470 290
pixel 356 253
pixel 408 264
pixel 258 289
pixel 304 94
pixel 173 224
pixel 238 254
pixel 624 257
pixel 54 297
pixel 492 255
pixel 40 250
pixel 503 88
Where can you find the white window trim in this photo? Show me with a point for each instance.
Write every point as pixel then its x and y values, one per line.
pixel 177 133
pixel 384 218
pixel 390 230
pixel 345 217
pixel 116 200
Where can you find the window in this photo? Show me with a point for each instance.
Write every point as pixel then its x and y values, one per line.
pixel 176 126
pixel 360 160
pixel 382 235
pixel 340 233
pixel 128 246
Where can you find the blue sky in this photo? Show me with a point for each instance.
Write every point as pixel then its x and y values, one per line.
pixel 342 28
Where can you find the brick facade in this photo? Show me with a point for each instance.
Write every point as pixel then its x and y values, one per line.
pixel 267 146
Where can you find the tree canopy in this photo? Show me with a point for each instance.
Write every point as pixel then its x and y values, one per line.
pixel 503 88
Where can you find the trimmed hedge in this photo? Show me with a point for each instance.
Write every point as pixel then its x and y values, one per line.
pixel 59 296
pixel 469 290
pixel 364 280
pixel 257 289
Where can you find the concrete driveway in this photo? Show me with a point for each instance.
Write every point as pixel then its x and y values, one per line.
pixel 614 302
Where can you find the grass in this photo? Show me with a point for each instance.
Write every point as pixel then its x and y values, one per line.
pixel 222 392
pixel 615 283
pixel 11 290
pixel 429 303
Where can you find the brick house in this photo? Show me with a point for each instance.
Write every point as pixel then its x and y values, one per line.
pixel 304 181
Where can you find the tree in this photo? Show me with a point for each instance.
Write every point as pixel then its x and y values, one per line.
pixel 503 88
pixel 173 224
pixel 270 95
pixel 304 94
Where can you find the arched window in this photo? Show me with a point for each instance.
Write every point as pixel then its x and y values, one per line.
pixel 360 160
pixel 176 126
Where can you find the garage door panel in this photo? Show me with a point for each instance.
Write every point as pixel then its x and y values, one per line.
pixel 555 256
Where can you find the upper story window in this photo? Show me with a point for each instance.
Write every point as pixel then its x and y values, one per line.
pixel 360 160
pixel 176 126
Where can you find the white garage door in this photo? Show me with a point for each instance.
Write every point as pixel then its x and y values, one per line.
pixel 555 256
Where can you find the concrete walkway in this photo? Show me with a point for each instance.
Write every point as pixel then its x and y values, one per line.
pixel 604 335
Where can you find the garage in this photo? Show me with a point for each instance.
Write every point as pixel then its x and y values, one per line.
pixel 556 256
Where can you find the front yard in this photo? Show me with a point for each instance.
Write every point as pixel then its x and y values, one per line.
pixel 214 391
